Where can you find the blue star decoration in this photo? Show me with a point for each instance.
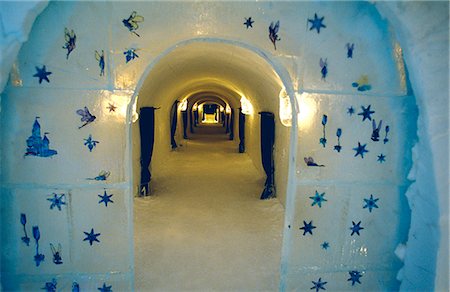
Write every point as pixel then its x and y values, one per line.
pixel 105 199
pixel 316 23
pixel 354 277
pixel 57 201
pixel 325 245
pixel 318 199
pixel 92 236
pixel 42 74
pixel 366 112
pixel 356 228
pixel 371 203
pixel 319 285
pixel 381 158
pixel 307 227
pixel 360 150
pixel 248 22
pixel 350 110
pixel 105 288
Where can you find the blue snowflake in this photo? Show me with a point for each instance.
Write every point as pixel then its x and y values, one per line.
pixel 354 277
pixel 105 288
pixel 105 199
pixel 319 285
pixel 325 245
pixel 307 227
pixel 248 22
pixel 360 150
pixel 371 203
pixel 366 112
pixel 316 23
pixel 91 237
pixel 318 199
pixel 356 228
pixel 381 158
pixel 57 201
pixel 42 74
pixel 350 110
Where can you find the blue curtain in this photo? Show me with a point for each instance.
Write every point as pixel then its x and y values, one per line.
pixel 231 125
pixel 173 124
pixel 267 144
pixel 241 131
pixel 147 130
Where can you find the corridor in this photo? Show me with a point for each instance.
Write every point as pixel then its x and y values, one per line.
pixel 204 227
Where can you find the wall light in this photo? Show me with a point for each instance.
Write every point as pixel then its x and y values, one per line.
pixel 247 108
pixel 183 105
pixel 221 109
pixel 285 108
pixel 228 109
pixel 307 109
pixel 194 108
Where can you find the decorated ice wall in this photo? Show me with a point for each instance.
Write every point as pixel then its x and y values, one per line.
pixel 31 185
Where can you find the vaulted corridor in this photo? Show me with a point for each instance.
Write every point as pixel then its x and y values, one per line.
pixel 204 226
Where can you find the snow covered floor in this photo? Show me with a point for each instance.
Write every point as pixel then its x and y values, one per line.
pixel 204 228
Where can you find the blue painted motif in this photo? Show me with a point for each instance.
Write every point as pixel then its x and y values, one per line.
pixel 350 48
pixel 103 175
pixel 319 285
pixel 57 201
pixel 356 228
pixel 307 227
pixel 316 23
pixel 354 277
pixel 360 150
pixel 37 146
pixel 338 147
pixel 248 22
pixel 101 61
pixel 50 286
pixel 42 74
pixel 111 107
pixel 323 140
pixel 381 158
pixel 90 143
pixel 324 65
pixel 273 33
pixel 38 258
pixel 325 245
pixel 366 113
pixel 318 199
pixel 92 236
pixel 23 221
pixel 350 110
pixel 385 140
pixel 57 259
pixel 105 199
pixel 75 287
pixel 370 203
pixel 310 162
pixel 376 130
pixel 130 54
pixel 105 288
pixel 362 84
pixel 132 22
pixel 86 116
pixel 70 38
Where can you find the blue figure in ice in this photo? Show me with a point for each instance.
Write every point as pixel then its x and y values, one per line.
pixel 248 22
pixel 360 150
pixel 130 54
pixel 325 245
pixel 70 38
pixel 103 175
pixel 101 61
pixel 23 221
pixel 42 74
pixel 50 286
pixel 273 33
pixel 57 259
pixel 132 22
pixel 37 146
pixel 319 285
pixel 38 258
pixel 350 48
pixel 338 147
pixel 75 287
pixel 324 65
pixel 92 236
pixel 310 162
pixel 356 228
pixel 105 288
pixel 318 199
pixel 362 84
pixel 381 158
pixel 57 201
pixel 366 112
pixel 385 140
pixel 90 143
pixel 376 130
pixel 371 203
pixel 350 111
pixel 354 277
pixel 105 199
pixel 316 23
pixel 86 116
pixel 323 140
pixel 307 227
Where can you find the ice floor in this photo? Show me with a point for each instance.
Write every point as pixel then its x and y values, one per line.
pixel 204 227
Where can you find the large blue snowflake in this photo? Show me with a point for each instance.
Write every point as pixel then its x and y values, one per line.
pixel 366 112
pixel 92 236
pixel 370 203
pixel 105 199
pixel 354 277
pixel 57 201
pixel 360 150
pixel 356 228
pixel 105 288
pixel 319 285
pixel 307 227
pixel 42 74
pixel 316 23
pixel 318 199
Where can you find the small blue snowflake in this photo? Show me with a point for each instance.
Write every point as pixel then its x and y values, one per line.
pixel 57 201
pixel 316 23
pixel 381 158
pixel 42 74
pixel 350 110
pixel 105 199
pixel 370 203
pixel 318 199
pixel 307 227
pixel 91 237
pixel 356 228
pixel 366 112
pixel 325 245
pixel 248 22
pixel 360 150
pixel 354 277
pixel 319 285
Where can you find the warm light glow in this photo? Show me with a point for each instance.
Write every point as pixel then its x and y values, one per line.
pixel 221 109
pixel 307 110
pixel 200 107
pixel 134 113
pixel 247 108
pixel 285 108
pixel 194 108
pixel 228 109
pixel 183 105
